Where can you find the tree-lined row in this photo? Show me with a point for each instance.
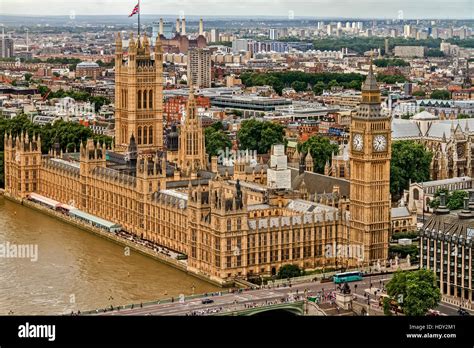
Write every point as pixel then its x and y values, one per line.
pixel 98 101
pixel 67 134
pixel 317 82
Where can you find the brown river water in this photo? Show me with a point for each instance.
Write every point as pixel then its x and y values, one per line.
pixel 76 270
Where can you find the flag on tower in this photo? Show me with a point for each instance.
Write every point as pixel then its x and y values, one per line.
pixel 136 10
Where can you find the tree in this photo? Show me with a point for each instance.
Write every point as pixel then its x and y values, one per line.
pixel 318 88
pixel 321 150
pixel 289 271
pixel 419 93
pixel 386 306
pixel 462 116
pixel 415 291
pixel 404 250
pixel 333 83
pixel 237 113
pixel 299 86
pixel 65 133
pixel 434 53
pixel 391 79
pixel 259 135
pixel 280 80
pixel 28 76
pixel 390 62
pixel 454 199
pixel 440 94
pixel 216 140
pixel 410 161
pixel 43 90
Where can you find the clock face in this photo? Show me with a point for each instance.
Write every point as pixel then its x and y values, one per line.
pixel 380 143
pixel 358 142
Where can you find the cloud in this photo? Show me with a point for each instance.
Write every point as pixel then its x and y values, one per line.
pixel 314 8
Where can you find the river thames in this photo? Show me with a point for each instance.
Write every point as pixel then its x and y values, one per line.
pixel 76 270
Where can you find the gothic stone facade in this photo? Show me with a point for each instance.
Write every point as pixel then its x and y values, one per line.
pixel 226 228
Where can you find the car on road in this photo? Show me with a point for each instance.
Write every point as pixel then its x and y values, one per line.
pixel 207 301
pixel 463 312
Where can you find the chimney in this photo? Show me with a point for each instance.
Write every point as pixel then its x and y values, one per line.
pixel 183 26
pixel 442 209
pixel 465 212
pixel 177 25
pixel 201 27
pixel 161 26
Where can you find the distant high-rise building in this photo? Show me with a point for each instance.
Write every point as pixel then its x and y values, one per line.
pixel 273 34
pixel 199 68
pixel 360 25
pixel 410 51
pixel 215 35
pixel 407 30
pixel 6 47
pixel 450 33
pixel 421 35
pixel 329 29
pixel 239 45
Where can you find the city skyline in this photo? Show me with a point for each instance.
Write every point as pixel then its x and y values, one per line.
pixel 403 9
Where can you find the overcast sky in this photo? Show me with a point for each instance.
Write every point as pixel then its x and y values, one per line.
pixel 315 8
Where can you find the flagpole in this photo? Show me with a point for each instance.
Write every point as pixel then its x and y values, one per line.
pixel 138 22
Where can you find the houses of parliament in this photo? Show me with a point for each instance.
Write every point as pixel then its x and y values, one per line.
pixel 240 221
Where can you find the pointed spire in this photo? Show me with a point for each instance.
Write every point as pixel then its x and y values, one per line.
pixel 118 43
pixel 370 83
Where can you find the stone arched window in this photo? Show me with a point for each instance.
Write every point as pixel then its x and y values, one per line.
pixel 139 99
pixel 150 135
pixel 229 224
pixel 416 194
pixel 145 135
pixel 150 99
pixel 139 135
pixel 144 99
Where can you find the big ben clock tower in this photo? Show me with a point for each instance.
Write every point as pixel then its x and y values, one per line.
pixel 370 174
